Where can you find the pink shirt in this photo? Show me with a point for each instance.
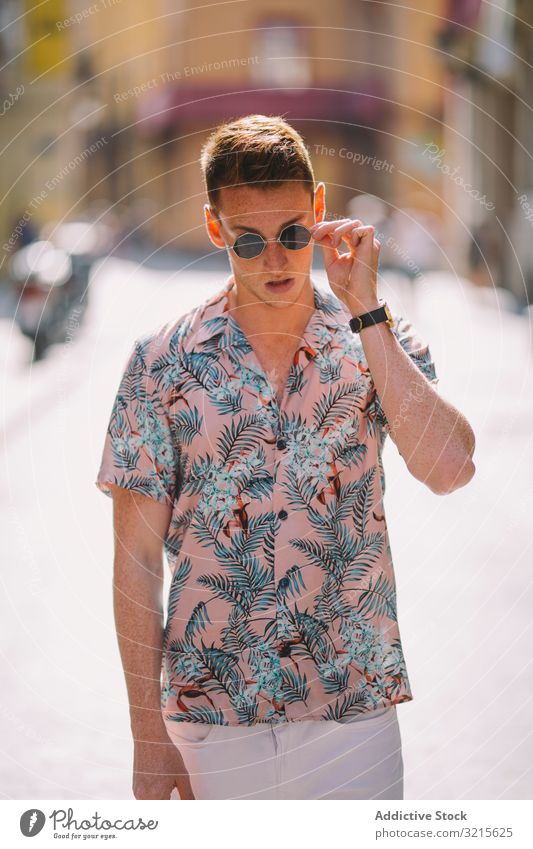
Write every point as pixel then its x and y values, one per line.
pixel 282 604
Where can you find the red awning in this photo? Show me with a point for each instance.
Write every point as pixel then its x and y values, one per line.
pixel 463 12
pixel 188 104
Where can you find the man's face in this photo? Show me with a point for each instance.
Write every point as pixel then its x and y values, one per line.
pixel 245 209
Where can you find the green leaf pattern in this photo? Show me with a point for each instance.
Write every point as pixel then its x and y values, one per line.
pixel 282 604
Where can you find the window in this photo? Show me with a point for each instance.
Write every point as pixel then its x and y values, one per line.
pixel 281 47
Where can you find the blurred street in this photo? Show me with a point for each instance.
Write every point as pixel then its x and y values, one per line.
pixel 462 561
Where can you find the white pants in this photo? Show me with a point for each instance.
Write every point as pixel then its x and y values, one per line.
pixel 309 759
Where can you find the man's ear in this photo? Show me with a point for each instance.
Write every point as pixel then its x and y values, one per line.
pixel 213 227
pixel 319 204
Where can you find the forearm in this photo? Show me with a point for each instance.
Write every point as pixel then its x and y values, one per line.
pixel 139 623
pixel 434 438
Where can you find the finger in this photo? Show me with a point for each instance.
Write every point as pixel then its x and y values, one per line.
pixel 318 230
pixel 358 238
pixel 342 231
pixel 346 227
pixel 333 238
pixel 329 252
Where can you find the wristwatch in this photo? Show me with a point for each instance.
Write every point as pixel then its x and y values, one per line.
pixel 382 313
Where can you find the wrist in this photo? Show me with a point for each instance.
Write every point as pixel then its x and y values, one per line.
pixel 147 725
pixel 372 318
pixel 360 307
pixel 149 735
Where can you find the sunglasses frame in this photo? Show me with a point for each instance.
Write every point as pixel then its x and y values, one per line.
pixel 277 239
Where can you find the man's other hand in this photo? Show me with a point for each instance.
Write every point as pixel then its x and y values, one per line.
pixel 157 769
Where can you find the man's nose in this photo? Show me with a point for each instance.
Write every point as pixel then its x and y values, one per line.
pixel 274 255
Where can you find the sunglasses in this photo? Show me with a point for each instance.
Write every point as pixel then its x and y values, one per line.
pixel 251 245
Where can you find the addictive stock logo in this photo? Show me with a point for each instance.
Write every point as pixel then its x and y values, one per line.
pixel 31 822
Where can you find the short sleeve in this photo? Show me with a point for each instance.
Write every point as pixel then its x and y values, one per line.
pixel 420 354
pixel 138 451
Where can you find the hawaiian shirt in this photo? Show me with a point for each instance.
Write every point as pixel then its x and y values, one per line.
pixel 282 597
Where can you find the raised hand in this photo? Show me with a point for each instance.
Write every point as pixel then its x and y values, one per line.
pixel 352 275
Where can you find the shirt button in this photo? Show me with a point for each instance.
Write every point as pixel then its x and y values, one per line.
pixel 282 514
pixel 281 444
pixel 284 583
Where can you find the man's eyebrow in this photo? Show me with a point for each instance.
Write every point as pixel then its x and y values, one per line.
pixel 253 230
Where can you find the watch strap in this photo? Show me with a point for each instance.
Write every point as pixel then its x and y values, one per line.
pixel 382 313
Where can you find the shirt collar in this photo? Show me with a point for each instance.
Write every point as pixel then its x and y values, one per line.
pixel 217 324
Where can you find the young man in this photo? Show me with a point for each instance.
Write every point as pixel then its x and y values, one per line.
pixel 245 440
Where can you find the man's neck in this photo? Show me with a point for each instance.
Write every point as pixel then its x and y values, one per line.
pixel 255 316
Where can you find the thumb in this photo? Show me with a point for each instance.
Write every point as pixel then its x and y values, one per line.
pixel 329 251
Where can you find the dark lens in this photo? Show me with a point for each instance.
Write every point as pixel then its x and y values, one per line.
pixel 249 245
pixel 295 237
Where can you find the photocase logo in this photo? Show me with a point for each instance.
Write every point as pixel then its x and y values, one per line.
pixel 31 822
pixel 65 824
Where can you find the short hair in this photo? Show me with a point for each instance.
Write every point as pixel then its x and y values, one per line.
pixel 254 149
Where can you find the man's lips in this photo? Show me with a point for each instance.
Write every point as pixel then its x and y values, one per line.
pixel 279 281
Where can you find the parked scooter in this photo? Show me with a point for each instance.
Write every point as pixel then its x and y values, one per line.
pixel 41 274
pixel 85 242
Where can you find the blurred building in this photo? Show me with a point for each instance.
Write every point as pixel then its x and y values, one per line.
pixel 129 98
pixel 46 116
pixel 107 104
pixel 488 49
pixel 361 83
pixel 169 81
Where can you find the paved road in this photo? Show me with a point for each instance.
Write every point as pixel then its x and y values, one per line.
pixel 463 562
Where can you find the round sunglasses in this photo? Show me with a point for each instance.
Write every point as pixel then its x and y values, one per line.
pixel 251 245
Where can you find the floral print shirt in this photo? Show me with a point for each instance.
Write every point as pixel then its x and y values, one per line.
pixel 282 601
